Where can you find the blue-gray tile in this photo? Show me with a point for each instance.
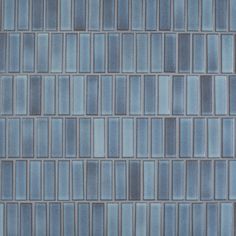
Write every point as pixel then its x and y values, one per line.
pixel 35 95
pixel 80 14
pixel 49 180
pixel 21 180
pixel 51 14
pixel 134 180
pixel 7 180
pixel 83 219
pixel 26 219
pixel 92 180
pixel 165 15
pixel 98 219
pixel 84 137
pixel 28 62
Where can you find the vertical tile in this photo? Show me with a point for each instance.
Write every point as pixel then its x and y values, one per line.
pixel 3 138
pixel 186 138
pixel 221 95
pixel 112 219
pixel 63 180
pixel 80 15
pixel 155 219
pixel 7 95
pixel 199 55
pixel 56 52
pixel 13 137
pixel 77 180
pixel 83 217
pixel 126 219
pixel 135 95
pixel 232 16
pixel 164 95
pixel 170 137
pixel 84 137
pixel 226 219
pixel 21 180
pixel 63 95
pixel 165 15
pixel 9 7
pixel 184 216
pixel 128 137
pixel 149 180
pixel 232 179
pixel 221 181
pixel 55 219
pixel 170 227
pixel 137 14
pixel 49 92
pixel 35 95
pixel 37 14
pixel 92 95
pixel 12 219
pixel 21 95
pixel 120 95
pixel 212 53
pixel 178 180
pixel 14 52
pixel 142 52
pixel 227 55
pixel 232 95
pixel 56 137
pixel 77 95
pixel 157 138
pixel 120 180
pixel 212 219
pixel 214 138
pixel 3 52
pixel 42 52
pixel 156 51
pixel 35 182
pixel 199 137
pixel 40 219
pixel 106 180
pixel 184 53
pixel 113 143
pixel 151 14
pixel 98 219
pixel 41 136
pixel 207 15
pixel 26 219
pixel 193 15
pixel 150 95
pixel 178 98
pixel 7 180
pixel 99 137
pixel 99 52
pixel 192 183
pixel 106 95
pixel 70 137
pixel 109 14
pixel 198 219
pixel 71 53
pixel 68 219
pixel 23 15
pixel 51 11
pixel 207 187
pixel 179 15
pixel 66 14
pixel 192 95
pixel 170 52
pixel 84 52
pixel 228 139
pixel 128 49
pixel 49 180
pixel 92 180
pixel 93 14
pixel 2 219
pixel 27 137
pixel 134 180
pixel 163 180
pixel 123 14
pixel 142 137
pixel 221 15
pixel 113 53
pixel 28 62
pixel 206 95
pixel 141 219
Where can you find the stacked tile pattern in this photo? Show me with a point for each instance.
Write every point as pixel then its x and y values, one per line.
pixel 117 117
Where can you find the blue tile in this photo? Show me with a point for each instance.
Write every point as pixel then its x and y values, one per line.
pixel 134 180
pixel 35 183
pixel 49 171
pixel 63 180
pixel 28 62
pixel 98 219
pixel 84 52
pixel 79 14
pixel 51 14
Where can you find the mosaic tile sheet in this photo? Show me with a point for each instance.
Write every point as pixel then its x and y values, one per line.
pixel 117 117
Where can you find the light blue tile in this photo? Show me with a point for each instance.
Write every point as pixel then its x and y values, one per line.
pixel 2 138
pixel 55 219
pixel 232 179
pixel 9 7
pixel 99 47
pixel 63 95
pixel 26 219
pixel 178 176
pixel 66 14
pixel 106 95
pixel 12 217
pixel 49 172
pixel 56 137
pixel 141 219
pixel 212 219
pixel 7 180
pixel 221 95
pixel 69 219
pixel 212 53
pixel 112 219
pixel 14 52
pixel 71 53
pixel 6 95
pixel 193 15
pixel 228 139
pixel 2 218
pixel 151 14
pixel 156 52
pixel 77 180
pixel 199 219
pixel 63 180
pixel 113 52
pixel 192 95
pixel 179 15
pixel 207 15
pixel 99 137
pixel 221 15
pixel 214 138
pixel 23 15
pixel 21 180
pixel 35 182
pixel 164 95
pixel 184 216
pixel 77 95
pixel 113 137
pixel 186 138
pixel 40 222
pixel 199 137
pixel 49 91
pixel 106 180
pixel 83 219
pixel 142 137
pixel 135 95
pixel 56 52
pixel 84 52
pixel 136 14
pixel 126 219
pixel 28 61
pixel 227 55
pixel 13 141
pixel 120 180
pixel 207 188
pixel 84 137
pixel 92 180
pixel 42 55
pixel 199 55
pixel 93 15
pixel 170 228
pixel 41 135
pixel 128 49
pixel 142 54
pixel 98 219
pixel 232 16
pixel 128 137
pixel 21 95
pixel 109 14
pixel 192 182
pixel 149 180
pixel 221 182
pixel 155 219
pixel 27 137
pixel 226 219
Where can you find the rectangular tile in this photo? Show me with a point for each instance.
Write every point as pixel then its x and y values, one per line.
pixel 63 180
pixel 84 137
pixel 49 180
pixel 98 219
pixel 7 180
pixel 120 180
pixel 35 183
pixel 113 142
pixel 163 192
pixel 77 170
pixel 77 98
pixel 150 96
pixel 170 137
pixel 28 62
pixel 92 180
pixel 51 14
pixel 128 49
pixel 134 180
pixel 142 138
pixel 120 95
pixel 79 15
pixel 56 52
pixel 170 53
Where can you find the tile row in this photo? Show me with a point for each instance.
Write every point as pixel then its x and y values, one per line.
pixel 117 52
pixel 92 15
pixel 118 95
pixel 113 219
pixel 120 180
pixel 117 137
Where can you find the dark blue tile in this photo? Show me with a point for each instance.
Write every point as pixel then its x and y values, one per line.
pixel 134 180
